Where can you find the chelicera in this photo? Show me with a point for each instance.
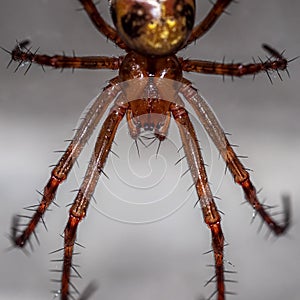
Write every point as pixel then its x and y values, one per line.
pixel 148 91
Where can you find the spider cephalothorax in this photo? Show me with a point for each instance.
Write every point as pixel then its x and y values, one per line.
pixel 146 109
pixel 154 27
pixel 149 89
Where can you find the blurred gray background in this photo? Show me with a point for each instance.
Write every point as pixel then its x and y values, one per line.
pixel 162 259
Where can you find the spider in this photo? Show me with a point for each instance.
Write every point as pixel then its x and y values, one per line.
pixel 148 91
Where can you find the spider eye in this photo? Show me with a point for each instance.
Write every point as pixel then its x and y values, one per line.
pixel 154 27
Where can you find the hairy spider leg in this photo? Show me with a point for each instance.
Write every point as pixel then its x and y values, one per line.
pixel 213 15
pixel 237 69
pixel 86 190
pixel 197 168
pixel 65 164
pixel 23 54
pixel 238 171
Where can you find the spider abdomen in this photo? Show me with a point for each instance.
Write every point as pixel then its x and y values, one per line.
pixel 154 27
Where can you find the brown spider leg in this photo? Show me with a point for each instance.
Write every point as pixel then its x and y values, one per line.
pixel 80 205
pixel 210 213
pixel 63 167
pixel 274 63
pixel 22 54
pixel 240 175
pixel 100 23
pixel 213 15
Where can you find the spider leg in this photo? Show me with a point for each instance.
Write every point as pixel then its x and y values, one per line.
pixel 216 11
pixel 100 23
pixel 240 175
pixel 86 190
pixel 64 165
pixel 274 63
pixel 24 55
pixel 210 213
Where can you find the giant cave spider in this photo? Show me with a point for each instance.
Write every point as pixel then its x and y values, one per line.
pixel 148 90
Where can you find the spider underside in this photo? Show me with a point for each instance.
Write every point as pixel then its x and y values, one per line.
pixel 148 91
